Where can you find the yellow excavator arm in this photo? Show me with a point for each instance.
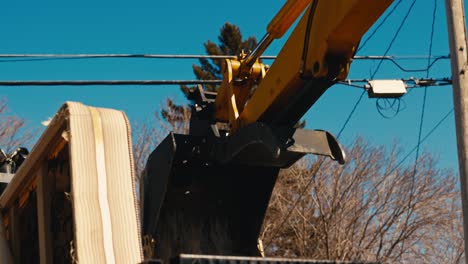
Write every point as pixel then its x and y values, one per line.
pixel 207 192
pixel 318 53
pixel 204 194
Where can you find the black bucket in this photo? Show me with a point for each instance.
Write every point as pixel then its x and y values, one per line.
pixel 209 195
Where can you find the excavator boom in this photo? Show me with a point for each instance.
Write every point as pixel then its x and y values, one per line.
pixel 317 54
pixel 207 192
pixel 203 195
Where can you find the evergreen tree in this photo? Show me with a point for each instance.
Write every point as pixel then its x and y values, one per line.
pixel 230 42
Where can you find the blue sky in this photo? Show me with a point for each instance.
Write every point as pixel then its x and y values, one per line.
pixel 181 27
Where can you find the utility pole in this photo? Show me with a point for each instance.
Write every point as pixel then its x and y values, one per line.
pixel 457 39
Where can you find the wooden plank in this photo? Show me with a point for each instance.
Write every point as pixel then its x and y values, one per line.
pixel 5 251
pixel 15 234
pixel 45 189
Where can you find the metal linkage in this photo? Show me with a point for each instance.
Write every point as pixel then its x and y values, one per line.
pixel 9 164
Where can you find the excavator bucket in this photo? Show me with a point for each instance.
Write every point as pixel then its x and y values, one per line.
pixel 207 192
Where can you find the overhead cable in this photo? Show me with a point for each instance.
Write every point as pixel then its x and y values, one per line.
pixel 385 104
pixel 393 60
pixel 381 23
pixel 344 125
pixel 433 129
pixel 18 58
pixel 412 83
pixel 105 82
pixel 178 56
pixel 358 102
pixel 421 122
pixel 9 58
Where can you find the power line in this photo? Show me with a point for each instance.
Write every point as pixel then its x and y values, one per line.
pixel 348 119
pixel 358 102
pixel 395 36
pixel 110 56
pixel 351 113
pixel 399 57
pixel 412 83
pixel 321 161
pixel 394 61
pixel 382 22
pixel 431 41
pixel 381 107
pixel 106 82
pixel 180 56
pixel 6 58
pixel 421 122
pixel 395 105
pixel 433 129
pixel 11 58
